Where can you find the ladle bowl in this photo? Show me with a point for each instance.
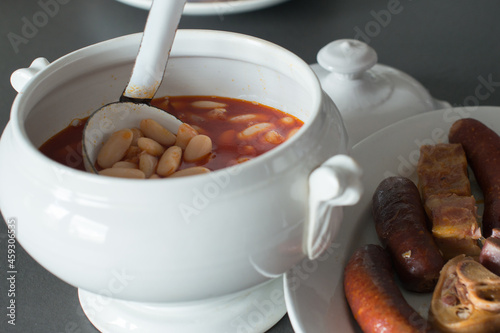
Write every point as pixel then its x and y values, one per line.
pixel 116 116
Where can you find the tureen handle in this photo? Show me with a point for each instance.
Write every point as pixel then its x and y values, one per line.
pixel 20 78
pixel 336 183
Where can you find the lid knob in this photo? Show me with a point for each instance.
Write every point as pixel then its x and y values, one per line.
pixel 347 57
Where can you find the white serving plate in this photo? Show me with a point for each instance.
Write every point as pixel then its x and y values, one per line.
pixel 314 291
pixel 213 7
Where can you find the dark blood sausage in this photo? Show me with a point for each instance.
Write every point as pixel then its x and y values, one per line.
pixel 490 253
pixel 482 147
pixel 401 226
pixel 375 300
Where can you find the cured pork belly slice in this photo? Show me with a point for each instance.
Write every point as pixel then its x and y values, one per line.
pixel 454 224
pixel 442 169
pixel 453 216
pixel 449 204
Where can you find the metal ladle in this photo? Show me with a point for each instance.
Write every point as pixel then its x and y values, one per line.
pixel 147 75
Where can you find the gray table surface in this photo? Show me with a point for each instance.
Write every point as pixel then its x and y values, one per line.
pixel 451 46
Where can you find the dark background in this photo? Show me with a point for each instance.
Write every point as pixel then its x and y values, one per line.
pixel 447 45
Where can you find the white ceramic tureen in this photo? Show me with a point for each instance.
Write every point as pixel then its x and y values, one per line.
pixel 194 254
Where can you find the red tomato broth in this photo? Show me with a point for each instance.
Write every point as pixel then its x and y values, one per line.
pixel 65 147
pixel 228 149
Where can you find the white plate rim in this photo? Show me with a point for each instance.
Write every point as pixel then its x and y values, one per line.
pixel 313 289
pixel 213 8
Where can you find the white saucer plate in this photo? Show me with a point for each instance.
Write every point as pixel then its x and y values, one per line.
pixel 314 291
pixel 213 7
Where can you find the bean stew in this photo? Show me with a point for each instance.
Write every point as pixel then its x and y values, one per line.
pixel 217 132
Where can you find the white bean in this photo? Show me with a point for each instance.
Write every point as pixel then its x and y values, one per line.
pixel 123 173
pixel 198 170
pixel 208 104
pixel 125 164
pixel 198 129
pixel 197 148
pixel 184 134
pixel 150 146
pixel 227 138
pixel 178 105
pixel 218 113
pixel 274 137
pixel 292 132
pixel 194 118
pixel 132 152
pixel 243 118
pixel 147 164
pixel 157 132
pixel 246 118
pixel 164 104
pixel 170 161
pixel 254 130
pixel 239 160
pixel 287 121
pixel 247 150
pixel 242 159
pixel 115 148
pixel 137 134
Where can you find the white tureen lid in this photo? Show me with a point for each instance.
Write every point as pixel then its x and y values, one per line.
pixel 369 96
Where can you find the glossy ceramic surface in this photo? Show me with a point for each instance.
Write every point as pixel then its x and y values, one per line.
pixel 370 96
pixel 174 240
pixel 314 289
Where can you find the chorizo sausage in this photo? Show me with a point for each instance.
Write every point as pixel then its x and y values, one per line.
pixel 401 226
pixel 482 147
pixel 373 296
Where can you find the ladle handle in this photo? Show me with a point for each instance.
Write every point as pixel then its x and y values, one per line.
pixel 151 61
